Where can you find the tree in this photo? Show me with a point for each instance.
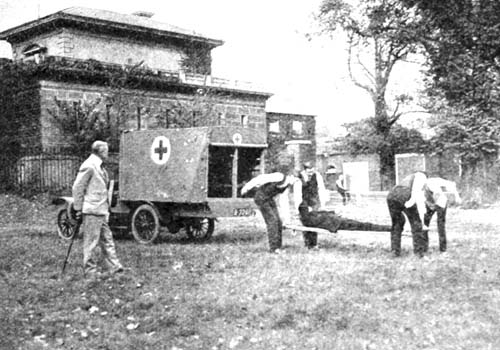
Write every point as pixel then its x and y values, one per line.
pixel 362 137
pixel 462 44
pixel 198 110
pixel 82 122
pixel 380 33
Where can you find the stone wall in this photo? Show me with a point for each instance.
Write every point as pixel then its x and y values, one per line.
pixel 149 109
pixel 53 41
pixel 76 44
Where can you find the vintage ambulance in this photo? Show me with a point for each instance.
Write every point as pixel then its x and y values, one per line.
pixel 173 179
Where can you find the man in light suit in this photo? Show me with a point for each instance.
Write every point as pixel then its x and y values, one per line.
pixel 91 203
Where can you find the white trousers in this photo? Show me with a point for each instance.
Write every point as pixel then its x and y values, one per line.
pixel 96 233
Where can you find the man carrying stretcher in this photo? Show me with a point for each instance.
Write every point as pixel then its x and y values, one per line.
pixel 265 187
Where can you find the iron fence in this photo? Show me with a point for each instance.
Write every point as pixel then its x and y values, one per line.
pixel 39 170
pixel 48 169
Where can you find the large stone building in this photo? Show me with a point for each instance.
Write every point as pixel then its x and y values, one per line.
pixel 126 71
pixel 167 74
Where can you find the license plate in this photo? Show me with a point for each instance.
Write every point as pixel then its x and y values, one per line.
pixel 243 212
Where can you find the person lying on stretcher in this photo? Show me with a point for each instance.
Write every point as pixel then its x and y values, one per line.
pixel 332 222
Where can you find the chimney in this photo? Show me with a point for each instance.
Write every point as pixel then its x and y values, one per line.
pixel 145 14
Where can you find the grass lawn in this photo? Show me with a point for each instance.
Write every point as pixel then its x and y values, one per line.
pixel 230 293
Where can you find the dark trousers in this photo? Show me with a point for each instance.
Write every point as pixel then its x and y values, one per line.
pixel 273 222
pixel 311 238
pixel 441 223
pixel 346 196
pixel 396 202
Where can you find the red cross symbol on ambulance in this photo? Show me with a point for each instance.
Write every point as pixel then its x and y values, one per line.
pixel 160 150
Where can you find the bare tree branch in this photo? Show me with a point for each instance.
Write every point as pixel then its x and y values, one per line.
pixel 351 75
pixel 368 74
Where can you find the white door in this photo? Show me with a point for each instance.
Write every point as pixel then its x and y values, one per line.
pixel 357 176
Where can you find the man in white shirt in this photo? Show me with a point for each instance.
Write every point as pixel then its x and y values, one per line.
pixel 436 201
pixel 264 188
pixel 419 197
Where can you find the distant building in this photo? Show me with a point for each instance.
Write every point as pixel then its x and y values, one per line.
pixel 362 172
pixel 295 133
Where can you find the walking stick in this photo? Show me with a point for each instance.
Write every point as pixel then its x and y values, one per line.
pixel 77 228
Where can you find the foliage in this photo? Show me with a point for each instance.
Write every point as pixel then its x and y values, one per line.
pixel 197 111
pixel 471 133
pixel 14 79
pixel 462 40
pixel 83 122
pixel 105 116
pixel 380 34
pixel 198 59
pixel 362 137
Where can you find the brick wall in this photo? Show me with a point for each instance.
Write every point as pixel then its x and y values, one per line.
pixel 150 107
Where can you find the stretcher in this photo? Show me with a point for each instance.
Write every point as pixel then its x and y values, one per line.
pixel 299 228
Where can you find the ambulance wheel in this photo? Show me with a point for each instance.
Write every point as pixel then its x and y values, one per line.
pixel 145 224
pixel 200 229
pixel 65 226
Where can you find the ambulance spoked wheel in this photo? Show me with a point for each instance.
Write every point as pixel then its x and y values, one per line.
pixel 65 225
pixel 200 229
pixel 145 224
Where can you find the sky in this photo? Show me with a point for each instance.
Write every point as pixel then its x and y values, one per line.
pixel 264 43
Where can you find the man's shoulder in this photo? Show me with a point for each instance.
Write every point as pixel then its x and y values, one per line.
pixel 88 164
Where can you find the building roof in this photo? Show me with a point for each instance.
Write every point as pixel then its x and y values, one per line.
pixel 104 20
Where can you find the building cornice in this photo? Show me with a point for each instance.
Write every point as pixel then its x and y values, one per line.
pixel 104 22
pixel 91 72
